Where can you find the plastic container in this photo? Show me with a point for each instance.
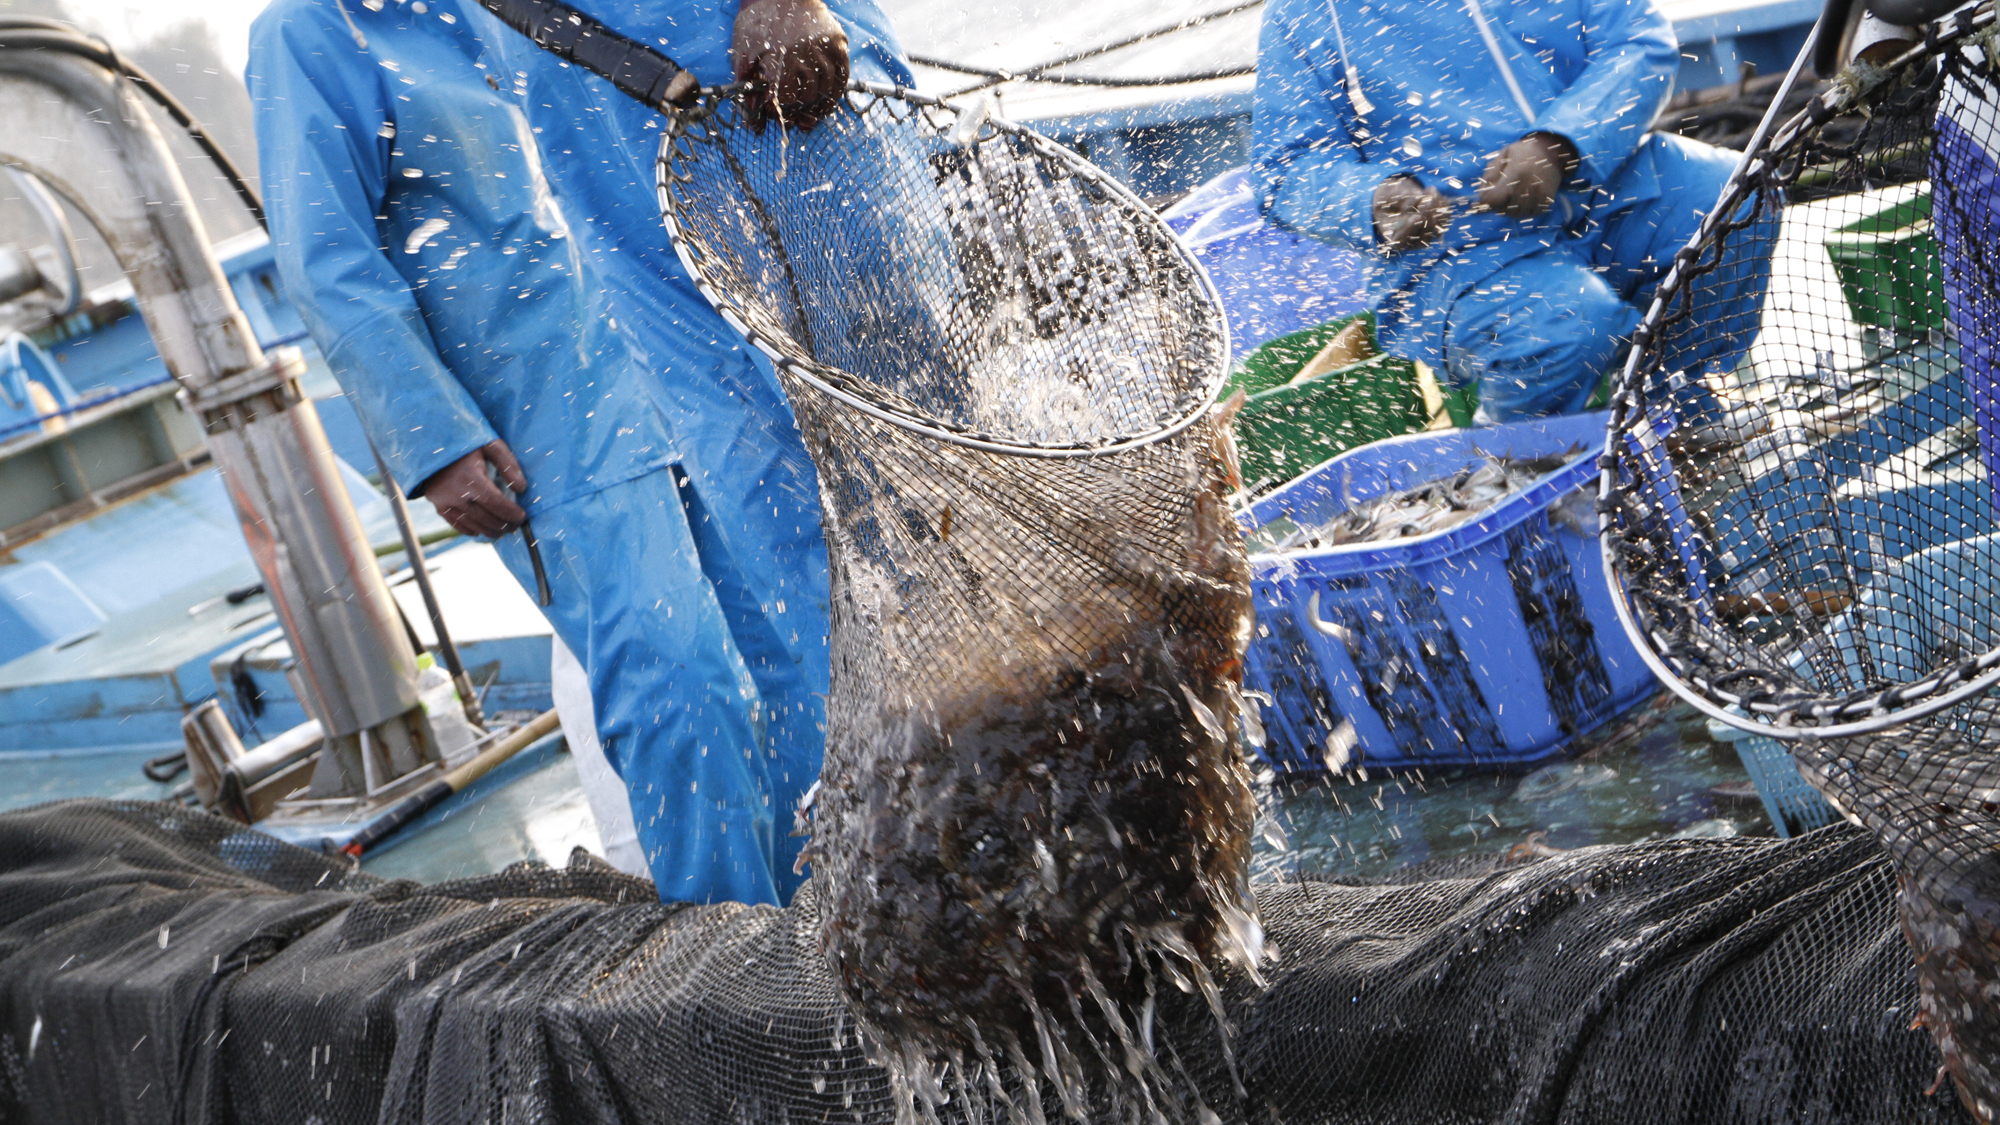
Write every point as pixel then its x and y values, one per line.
pixel 1794 806
pixel 1491 643
pixel 1287 427
pixel 1915 616
pixel 1889 269
pixel 1272 282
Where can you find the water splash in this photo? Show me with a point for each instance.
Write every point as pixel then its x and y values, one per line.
pixel 1016 858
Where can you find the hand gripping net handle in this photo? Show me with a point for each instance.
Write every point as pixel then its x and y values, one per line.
pixel 704 132
pixel 1653 537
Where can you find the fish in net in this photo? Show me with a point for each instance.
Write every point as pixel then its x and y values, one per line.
pixel 1034 812
pixel 1808 542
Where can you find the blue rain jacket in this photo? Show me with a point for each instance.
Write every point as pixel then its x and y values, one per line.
pixel 1965 179
pixel 449 177
pixel 476 225
pixel 1593 71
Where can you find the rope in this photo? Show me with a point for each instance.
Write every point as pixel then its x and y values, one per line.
pixel 31 34
pixel 1039 72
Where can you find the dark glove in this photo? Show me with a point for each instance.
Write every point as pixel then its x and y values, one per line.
pixel 465 495
pixel 796 54
pixel 1522 180
pixel 1408 214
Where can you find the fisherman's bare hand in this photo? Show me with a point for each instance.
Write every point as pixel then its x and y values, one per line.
pixel 796 53
pixel 1521 180
pixel 464 493
pixel 1408 214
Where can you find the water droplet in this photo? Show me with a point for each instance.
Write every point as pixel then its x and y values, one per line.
pixel 388 129
pixel 413 173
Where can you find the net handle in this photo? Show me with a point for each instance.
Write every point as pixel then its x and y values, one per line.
pixel 679 121
pixel 1881 710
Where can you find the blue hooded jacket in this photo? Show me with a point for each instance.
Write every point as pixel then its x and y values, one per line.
pixel 1442 86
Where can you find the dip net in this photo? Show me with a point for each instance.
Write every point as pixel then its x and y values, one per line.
pixel 1802 490
pixel 1034 812
pixel 1799 494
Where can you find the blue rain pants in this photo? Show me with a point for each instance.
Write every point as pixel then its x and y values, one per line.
pixel 470 230
pixel 702 657
pixel 1350 94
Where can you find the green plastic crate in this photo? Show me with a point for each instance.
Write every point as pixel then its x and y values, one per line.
pixel 1889 270
pixel 1286 428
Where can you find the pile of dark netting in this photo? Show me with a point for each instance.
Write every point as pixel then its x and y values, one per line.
pixel 160 964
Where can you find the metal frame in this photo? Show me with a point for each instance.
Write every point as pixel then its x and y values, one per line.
pixel 79 126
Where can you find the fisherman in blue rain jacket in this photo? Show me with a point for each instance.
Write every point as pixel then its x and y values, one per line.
pixel 471 227
pixel 1492 159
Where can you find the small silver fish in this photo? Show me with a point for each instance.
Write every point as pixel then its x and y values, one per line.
pixel 1432 506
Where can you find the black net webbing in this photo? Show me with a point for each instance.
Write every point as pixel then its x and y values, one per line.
pixel 163 965
pixel 1801 462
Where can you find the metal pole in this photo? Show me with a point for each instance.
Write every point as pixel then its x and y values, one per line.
pixel 414 552
pixel 80 128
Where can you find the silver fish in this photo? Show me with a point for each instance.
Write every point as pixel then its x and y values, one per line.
pixel 1430 507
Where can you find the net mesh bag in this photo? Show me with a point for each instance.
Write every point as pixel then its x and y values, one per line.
pixel 1799 490
pixel 1803 508
pixel 1033 813
pixel 159 964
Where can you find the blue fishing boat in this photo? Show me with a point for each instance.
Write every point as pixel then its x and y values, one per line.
pixel 145 616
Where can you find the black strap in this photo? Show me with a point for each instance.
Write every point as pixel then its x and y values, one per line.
pixel 637 70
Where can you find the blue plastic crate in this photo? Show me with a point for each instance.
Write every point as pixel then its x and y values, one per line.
pixel 1271 281
pixel 1491 643
pixel 1795 807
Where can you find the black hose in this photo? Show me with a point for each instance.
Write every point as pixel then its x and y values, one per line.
pixel 166 767
pixel 32 34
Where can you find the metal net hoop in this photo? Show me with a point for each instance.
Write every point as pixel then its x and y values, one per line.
pixel 1782 567
pixel 1000 252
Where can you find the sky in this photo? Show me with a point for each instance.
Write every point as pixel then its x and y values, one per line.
pixel 125 23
